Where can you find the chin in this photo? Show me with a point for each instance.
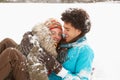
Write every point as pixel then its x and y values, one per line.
pixel 66 41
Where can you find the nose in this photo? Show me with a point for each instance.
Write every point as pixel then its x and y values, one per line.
pixel 63 35
pixel 64 32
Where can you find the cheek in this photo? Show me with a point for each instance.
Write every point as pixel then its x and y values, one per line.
pixel 53 37
pixel 71 35
pixel 60 38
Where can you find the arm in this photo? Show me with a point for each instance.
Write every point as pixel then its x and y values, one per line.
pixel 83 64
pixel 82 67
pixel 25 45
pixel 85 67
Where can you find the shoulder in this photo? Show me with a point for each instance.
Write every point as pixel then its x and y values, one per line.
pixel 83 50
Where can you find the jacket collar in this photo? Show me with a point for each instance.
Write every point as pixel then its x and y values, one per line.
pixel 69 45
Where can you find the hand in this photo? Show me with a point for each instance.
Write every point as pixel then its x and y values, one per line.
pixel 50 62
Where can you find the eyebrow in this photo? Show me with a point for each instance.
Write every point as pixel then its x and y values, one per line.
pixel 66 27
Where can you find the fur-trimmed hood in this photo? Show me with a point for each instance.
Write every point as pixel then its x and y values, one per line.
pixel 36 42
pixel 43 34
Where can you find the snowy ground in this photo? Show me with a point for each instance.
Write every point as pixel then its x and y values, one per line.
pixel 15 19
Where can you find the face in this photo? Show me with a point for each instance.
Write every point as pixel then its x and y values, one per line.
pixel 56 34
pixel 70 32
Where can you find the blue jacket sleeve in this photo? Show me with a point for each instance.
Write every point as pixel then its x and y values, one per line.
pixel 83 65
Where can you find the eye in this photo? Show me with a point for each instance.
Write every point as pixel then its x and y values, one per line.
pixel 67 29
pixel 53 32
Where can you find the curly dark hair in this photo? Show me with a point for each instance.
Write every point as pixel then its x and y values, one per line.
pixel 78 18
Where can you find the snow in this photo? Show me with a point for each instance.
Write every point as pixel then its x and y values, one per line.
pixel 15 19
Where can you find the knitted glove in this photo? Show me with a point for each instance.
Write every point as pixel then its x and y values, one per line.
pixel 25 45
pixel 50 62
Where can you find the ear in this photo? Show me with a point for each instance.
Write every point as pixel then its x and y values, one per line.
pixel 78 31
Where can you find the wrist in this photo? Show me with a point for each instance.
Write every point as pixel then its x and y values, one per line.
pixel 63 72
pixel 58 69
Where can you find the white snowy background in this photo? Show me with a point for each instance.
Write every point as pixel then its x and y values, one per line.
pixel 104 37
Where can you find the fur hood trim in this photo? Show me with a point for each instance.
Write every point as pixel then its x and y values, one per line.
pixel 44 37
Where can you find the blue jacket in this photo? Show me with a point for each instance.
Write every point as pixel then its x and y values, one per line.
pixel 79 63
